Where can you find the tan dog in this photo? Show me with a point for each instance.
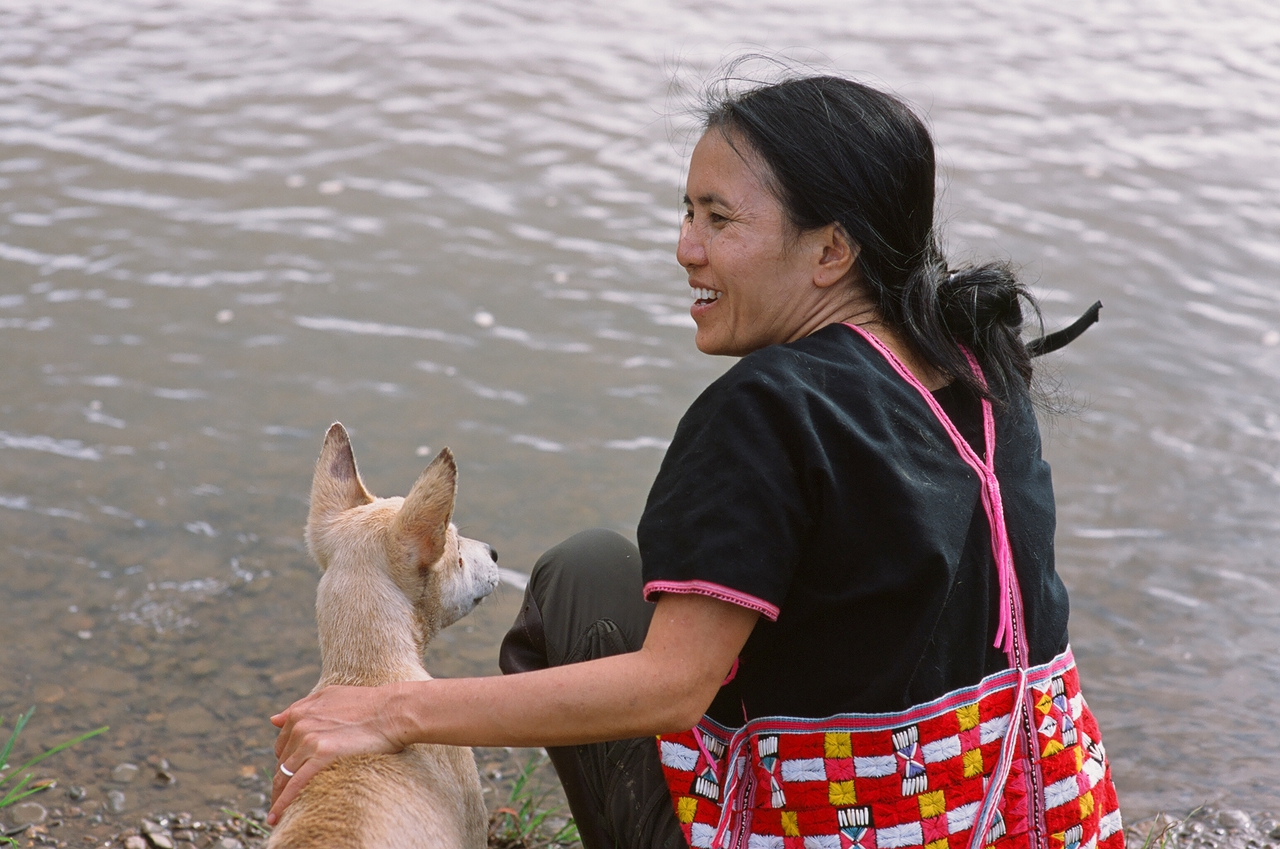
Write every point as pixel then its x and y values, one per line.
pixel 395 572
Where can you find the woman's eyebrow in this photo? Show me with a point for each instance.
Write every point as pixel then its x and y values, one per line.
pixel 706 199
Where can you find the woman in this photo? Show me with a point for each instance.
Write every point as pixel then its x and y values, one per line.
pixel 829 539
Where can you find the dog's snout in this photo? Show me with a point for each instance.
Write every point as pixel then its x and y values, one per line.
pixel 493 552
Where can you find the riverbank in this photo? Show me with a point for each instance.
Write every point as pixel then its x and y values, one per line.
pixel 1205 828
pixel 527 811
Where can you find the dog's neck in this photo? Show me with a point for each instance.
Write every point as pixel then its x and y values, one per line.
pixel 368 630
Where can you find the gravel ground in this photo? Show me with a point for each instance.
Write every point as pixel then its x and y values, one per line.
pixel 1205 828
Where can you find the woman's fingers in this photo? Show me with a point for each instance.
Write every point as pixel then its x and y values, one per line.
pixel 315 731
pixel 285 788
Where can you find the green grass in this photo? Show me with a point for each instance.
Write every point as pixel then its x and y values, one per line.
pixel 24 788
pixel 1162 827
pixel 249 826
pixel 524 822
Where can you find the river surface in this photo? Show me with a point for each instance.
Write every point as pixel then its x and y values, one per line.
pixel 225 225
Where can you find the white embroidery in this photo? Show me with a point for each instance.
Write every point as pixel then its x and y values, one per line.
pixel 875 767
pixel 679 757
pixel 1061 792
pixel 804 769
pixel 993 729
pixel 962 817
pixel 897 836
pixel 941 750
pixel 1109 825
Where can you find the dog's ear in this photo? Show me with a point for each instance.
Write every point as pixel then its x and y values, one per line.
pixel 422 525
pixel 336 485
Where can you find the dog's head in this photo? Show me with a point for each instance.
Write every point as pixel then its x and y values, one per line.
pixel 442 574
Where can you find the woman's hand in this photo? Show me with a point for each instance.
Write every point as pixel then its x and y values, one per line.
pixel 663 687
pixel 329 724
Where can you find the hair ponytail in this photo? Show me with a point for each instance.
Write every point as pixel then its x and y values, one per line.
pixel 982 308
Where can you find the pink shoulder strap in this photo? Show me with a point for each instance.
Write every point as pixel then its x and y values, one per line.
pixel 1011 637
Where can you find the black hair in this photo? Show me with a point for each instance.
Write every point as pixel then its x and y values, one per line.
pixel 841 152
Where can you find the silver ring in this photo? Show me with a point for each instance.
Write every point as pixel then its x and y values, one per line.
pixel 286 771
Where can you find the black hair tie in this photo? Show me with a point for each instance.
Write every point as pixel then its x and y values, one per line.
pixel 1060 338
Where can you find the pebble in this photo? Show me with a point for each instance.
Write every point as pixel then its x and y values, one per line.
pixel 203 667
pixel 115 801
pixel 124 773
pixel 135 842
pixel 27 813
pixel 228 843
pixel 160 840
pixel 1234 819
pixel 75 793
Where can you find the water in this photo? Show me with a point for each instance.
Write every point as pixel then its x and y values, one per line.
pixel 223 226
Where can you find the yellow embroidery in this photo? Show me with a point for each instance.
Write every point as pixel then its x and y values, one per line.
pixel 789 826
pixel 932 804
pixel 1086 805
pixel 1045 703
pixel 836 745
pixel 686 808
pixel 1052 748
pixel 972 763
pixel 937 844
pixel 968 716
pixel 841 794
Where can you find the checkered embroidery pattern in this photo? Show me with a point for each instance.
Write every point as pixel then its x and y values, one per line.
pixel 900 781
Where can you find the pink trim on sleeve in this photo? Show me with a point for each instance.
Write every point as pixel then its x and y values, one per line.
pixel 711 590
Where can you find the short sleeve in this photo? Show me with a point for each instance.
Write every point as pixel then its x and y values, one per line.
pixel 726 513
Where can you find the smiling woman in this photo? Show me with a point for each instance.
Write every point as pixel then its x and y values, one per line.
pixel 842 616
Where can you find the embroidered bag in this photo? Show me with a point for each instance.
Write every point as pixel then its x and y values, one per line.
pixel 1013 762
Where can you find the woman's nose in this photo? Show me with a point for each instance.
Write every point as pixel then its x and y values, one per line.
pixel 689 249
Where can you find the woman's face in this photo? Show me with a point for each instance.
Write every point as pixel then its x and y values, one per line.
pixel 752 276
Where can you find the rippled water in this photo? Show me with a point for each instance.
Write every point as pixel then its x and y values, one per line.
pixel 223 226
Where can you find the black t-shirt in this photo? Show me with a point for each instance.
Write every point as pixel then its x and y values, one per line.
pixel 813 484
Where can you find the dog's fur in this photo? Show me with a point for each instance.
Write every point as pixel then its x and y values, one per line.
pixel 396 571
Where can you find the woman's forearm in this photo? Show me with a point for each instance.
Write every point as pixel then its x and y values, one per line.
pixel 607 699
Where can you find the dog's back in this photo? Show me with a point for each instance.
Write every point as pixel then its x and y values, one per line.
pixel 423 796
pixel 395 572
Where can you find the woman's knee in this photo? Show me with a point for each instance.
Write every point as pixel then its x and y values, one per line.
pixel 587 558
pixel 590 583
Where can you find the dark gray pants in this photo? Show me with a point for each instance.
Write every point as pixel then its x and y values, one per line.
pixel 584 601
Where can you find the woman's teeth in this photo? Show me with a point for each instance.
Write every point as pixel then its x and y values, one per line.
pixel 705 294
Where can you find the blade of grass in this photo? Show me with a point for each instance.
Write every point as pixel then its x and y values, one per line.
pixel 11 796
pixel 13 738
pixel 33 791
pixel 63 745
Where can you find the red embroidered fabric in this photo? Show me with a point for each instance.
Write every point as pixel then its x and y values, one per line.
pixel 919 778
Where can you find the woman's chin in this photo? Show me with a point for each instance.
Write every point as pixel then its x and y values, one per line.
pixel 717 345
pixel 707 343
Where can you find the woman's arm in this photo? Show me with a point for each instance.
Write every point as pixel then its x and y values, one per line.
pixel 666 686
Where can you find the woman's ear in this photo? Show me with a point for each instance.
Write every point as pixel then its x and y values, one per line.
pixel 837 257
